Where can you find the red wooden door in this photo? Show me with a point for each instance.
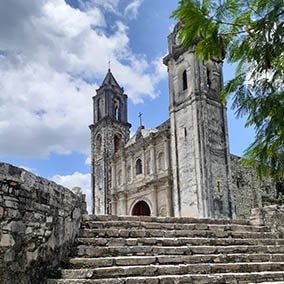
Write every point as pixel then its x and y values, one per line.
pixel 141 209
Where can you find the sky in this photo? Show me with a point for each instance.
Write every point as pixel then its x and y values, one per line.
pixel 54 54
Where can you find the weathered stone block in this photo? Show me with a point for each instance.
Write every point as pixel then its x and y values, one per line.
pixel 7 240
pixel 11 204
pixel 15 226
pixel 12 213
pixel 10 255
pixel 2 212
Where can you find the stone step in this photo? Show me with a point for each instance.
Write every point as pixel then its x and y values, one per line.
pixel 218 278
pixel 171 226
pixel 170 259
pixel 154 270
pixel 153 250
pixel 174 220
pixel 143 233
pixel 92 251
pixel 176 241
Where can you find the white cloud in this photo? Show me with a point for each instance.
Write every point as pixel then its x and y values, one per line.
pixel 107 5
pixel 160 70
pixel 132 9
pixel 88 160
pixel 77 180
pixel 44 113
pixel 68 22
pixel 49 54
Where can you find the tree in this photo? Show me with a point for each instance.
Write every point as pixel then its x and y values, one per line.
pixel 251 33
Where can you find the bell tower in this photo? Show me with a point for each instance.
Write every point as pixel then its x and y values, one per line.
pixel 109 131
pixel 199 134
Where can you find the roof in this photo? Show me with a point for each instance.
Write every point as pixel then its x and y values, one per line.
pixel 141 133
pixel 110 80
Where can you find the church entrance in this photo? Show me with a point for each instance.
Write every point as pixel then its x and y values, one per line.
pixel 141 208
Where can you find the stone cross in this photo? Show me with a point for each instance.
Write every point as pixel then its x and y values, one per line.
pixel 140 117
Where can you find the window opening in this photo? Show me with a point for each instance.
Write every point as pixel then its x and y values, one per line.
pixel 185 132
pixel 138 167
pixel 116 109
pixel 184 80
pixel 116 113
pixel 208 78
pixel 117 142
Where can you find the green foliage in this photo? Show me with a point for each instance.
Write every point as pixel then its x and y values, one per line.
pixel 249 32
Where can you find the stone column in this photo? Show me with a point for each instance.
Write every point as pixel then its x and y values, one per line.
pixel 154 199
pixel 122 204
pixel 114 205
pixel 132 167
pixel 166 152
pixel 153 167
pixel 143 163
pixel 123 171
pixel 113 177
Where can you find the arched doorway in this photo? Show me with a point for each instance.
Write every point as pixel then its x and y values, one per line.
pixel 141 208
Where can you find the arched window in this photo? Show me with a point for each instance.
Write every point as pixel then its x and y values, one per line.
pixel 138 167
pixel 99 109
pixel 141 208
pixel 209 75
pixel 117 142
pixel 116 109
pixel 184 80
pixel 116 113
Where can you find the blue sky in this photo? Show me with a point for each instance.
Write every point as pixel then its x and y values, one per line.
pixel 53 56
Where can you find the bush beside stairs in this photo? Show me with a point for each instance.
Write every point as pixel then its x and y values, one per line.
pixel 153 250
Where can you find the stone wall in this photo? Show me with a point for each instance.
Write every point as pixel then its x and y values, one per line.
pixel 39 222
pixel 271 216
pixel 248 190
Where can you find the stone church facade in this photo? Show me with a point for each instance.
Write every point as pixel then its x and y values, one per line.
pixel 183 167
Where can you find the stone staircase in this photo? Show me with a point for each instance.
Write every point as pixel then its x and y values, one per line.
pixel 136 250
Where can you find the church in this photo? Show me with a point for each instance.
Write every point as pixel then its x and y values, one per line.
pixel 181 168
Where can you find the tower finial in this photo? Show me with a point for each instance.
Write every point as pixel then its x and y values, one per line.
pixel 140 118
pixel 109 63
